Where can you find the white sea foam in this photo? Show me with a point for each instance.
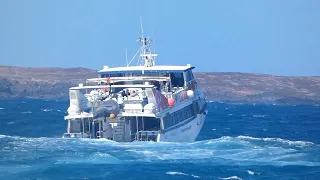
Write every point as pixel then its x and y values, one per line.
pixel 26 112
pixel 3 136
pixel 223 151
pixel 258 116
pixel 94 158
pixel 46 110
pixel 195 176
pixel 176 173
pixel 232 177
pixel 181 173
pixel 2 108
pixel 252 173
pixel 301 143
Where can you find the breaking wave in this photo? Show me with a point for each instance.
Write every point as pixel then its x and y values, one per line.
pixel 241 150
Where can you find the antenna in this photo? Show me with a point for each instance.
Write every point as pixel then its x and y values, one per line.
pixel 141 26
pixel 146 57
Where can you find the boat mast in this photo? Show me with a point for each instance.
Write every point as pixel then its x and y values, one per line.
pixel 145 52
pixel 147 58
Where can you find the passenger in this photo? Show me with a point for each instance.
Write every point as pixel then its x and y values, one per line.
pixel 157 85
pixel 124 94
pixel 108 132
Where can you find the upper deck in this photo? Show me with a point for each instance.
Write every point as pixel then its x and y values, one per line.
pixel 175 76
pixel 139 69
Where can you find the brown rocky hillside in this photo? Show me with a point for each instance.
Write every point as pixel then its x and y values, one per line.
pixel 49 83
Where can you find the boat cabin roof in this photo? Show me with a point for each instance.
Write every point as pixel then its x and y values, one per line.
pixel 138 69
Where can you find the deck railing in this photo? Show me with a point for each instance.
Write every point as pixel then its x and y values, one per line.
pixel 145 136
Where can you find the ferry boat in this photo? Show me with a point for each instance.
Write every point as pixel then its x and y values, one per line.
pixel 138 103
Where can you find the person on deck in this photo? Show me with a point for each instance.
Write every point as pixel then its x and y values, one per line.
pixel 108 132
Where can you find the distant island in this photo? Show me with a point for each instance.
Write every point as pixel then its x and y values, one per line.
pixel 229 87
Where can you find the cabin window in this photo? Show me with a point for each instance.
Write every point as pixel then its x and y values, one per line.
pixel 167 121
pixel 134 74
pixel 179 116
pixel 177 79
pixel 146 74
pixel 112 75
pixel 196 107
pixel 137 82
pixel 154 74
pixel 162 74
pixel 117 89
pixel 189 76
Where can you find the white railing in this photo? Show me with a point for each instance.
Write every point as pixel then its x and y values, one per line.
pixel 145 136
pixel 113 86
pixel 134 78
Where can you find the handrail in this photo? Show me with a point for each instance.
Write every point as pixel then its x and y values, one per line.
pixel 149 132
pixel 148 135
pixel 113 86
pixel 120 79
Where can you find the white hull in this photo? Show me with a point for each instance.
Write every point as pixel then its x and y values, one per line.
pixel 186 133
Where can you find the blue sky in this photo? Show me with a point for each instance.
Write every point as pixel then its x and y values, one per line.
pixel 256 36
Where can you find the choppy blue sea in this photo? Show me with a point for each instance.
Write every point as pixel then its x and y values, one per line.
pixel 236 142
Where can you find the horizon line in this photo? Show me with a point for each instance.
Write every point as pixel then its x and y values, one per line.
pixel 255 73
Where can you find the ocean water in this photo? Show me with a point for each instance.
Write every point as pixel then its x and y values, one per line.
pixel 236 142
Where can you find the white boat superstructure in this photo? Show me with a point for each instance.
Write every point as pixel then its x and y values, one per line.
pixel 138 103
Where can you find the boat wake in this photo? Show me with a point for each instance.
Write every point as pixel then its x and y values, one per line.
pixel 241 150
